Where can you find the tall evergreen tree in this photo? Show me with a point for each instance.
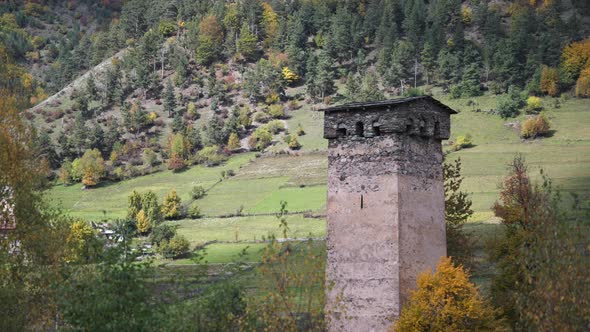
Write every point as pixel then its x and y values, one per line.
pixel 169 99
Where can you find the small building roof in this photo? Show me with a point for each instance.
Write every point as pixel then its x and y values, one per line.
pixel 386 103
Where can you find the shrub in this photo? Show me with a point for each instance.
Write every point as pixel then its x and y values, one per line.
pixel 197 192
pixel 509 105
pixel 194 211
pixel 261 117
pixel 534 105
pixel 176 163
pixel 177 247
pixel 293 143
pixel 300 131
pixel 260 139
pixel 162 233
pixel 275 126
pixel 535 126
pixel 149 157
pixel 276 111
pixel 455 92
pixel 463 141
pixel 210 156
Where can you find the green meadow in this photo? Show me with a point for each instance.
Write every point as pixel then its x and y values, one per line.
pixel 254 193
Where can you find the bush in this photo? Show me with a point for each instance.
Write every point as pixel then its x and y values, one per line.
pixel 177 247
pixel 455 92
pixel 534 105
pixel 162 233
pixel 275 126
pixel 260 139
pixel 550 81
pixel 509 105
pixel 261 117
pixel 194 211
pixel 293 143
pixel 463 141
pixel 197 192
pixel 583 84
pixel 276 111
pixel 535 126
pixel 210 156
pixel 300 131
pixel 446 301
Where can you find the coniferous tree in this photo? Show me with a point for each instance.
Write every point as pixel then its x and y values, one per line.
pixel 353 88
pixel 80 134
pixel 169 100
pixel 96 138
pixel 247 43
pixel 470 81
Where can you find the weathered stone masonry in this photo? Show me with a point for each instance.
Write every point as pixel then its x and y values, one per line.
pixel 385 207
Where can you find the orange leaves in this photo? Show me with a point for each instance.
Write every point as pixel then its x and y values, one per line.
pixel 550 81
pixel 446 301
pixel 574 58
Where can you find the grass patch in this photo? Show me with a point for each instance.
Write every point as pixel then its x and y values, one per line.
pixel 254 228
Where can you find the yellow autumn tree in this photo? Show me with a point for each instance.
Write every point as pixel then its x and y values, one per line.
pixel 446 301
pixel 550 81
pixel 82 242
pixel 143 222
pixel 234 142
pixel 574 58
pixel 270 23
pixel 91 167
pixel 583 83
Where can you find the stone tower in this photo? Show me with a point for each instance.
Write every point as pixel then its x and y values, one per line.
pixel 385 207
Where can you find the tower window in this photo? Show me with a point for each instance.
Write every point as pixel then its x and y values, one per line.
pixel 360 129
pixel 362 202
pixel 341 130
pixel 376 129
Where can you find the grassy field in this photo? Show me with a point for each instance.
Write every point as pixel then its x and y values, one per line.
pixel 261 183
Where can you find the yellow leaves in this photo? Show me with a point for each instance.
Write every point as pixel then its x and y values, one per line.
pixel 289 75
pixel 445 301
pixel 535 126
pixel 575 57
pixel 466 15
pixel 270 23
pixel 550 81
pixel 143 222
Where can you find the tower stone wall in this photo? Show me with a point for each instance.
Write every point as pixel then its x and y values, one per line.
pixel 385 207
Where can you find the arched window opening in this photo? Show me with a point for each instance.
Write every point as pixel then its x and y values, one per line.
pixel 376 129
pixel 360 129
pixel 341 130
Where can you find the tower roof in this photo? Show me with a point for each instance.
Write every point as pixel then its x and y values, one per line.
pixel 387 103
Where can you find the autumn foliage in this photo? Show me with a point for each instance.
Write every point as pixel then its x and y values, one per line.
pixel 446 301
pixel 550 81
pixel 535 126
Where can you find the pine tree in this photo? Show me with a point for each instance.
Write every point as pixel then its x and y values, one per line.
pixel 97 138
pixel 470 81
pixel 247 43
pixel 91 89
pixel 401 70
pixel 428 61
pixel 324 74
pixel 169 99
pixel 353 88
pixel 178 125
pixel 370 88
